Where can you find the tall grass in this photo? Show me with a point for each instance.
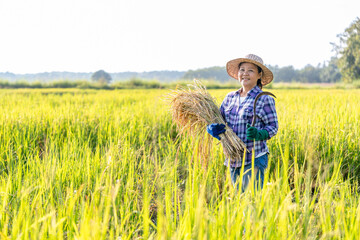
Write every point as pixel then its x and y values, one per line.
pixel 87 164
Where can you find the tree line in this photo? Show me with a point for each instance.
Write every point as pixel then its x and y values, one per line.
pixel 344 66
pixel 326 73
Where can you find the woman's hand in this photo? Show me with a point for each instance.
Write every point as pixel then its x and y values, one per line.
pixel 253 133
pixel 215 129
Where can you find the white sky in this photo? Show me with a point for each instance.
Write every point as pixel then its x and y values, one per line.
pixel 147 35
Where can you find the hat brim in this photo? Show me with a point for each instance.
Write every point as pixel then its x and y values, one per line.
pixel 232 68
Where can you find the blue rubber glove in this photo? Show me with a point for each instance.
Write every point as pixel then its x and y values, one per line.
pixel 253 133
pixel 215 129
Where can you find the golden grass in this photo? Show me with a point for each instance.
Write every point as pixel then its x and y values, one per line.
pixel 193 108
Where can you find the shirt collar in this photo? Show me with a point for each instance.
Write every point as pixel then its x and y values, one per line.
pixel 252 93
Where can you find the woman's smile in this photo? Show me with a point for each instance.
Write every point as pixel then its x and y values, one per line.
pixel 248 75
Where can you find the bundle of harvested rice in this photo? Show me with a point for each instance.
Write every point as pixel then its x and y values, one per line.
pixel 194 108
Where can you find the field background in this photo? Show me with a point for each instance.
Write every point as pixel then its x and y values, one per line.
pixel 98 164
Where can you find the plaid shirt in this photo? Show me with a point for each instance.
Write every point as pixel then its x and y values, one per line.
pixel 237 115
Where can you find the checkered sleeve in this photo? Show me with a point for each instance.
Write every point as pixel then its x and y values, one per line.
pixel 222 109
pixel 269 116
pixel 225 103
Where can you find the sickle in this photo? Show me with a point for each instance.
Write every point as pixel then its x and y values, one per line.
pixel 257 97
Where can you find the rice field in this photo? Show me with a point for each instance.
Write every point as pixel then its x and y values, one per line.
pixel 97 164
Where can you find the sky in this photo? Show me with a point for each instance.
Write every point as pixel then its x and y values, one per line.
pixel 154 35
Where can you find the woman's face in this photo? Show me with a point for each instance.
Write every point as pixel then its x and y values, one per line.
pixel 248 75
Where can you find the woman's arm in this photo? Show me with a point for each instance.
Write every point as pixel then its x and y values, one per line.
pixel 269 116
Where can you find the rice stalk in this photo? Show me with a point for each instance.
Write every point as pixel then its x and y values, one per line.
pixel 193 108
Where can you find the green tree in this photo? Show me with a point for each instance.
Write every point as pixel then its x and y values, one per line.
pixel 101 77
pixel 349 51
pixel 285 74
pixel 215 73
pixel 330 73
pixel 310 74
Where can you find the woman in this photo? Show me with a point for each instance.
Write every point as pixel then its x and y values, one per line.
pixel 237 110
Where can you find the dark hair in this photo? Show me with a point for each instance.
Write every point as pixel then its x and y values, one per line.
pixel 258 83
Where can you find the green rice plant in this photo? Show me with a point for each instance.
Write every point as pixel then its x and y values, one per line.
pixel 97 164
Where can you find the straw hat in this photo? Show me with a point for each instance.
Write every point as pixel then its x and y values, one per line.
pixel 232 67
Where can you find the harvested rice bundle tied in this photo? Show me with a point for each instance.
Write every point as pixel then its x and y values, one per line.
pixel 194 108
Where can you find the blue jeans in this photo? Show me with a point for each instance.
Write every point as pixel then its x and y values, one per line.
pixel 260 165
